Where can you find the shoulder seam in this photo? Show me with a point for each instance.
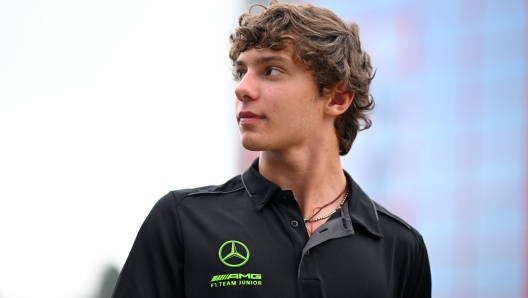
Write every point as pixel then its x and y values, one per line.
pixel 389 214
pixel 177 217
pixel 214 192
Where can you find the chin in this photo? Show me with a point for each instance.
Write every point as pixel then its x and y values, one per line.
pixel 253 144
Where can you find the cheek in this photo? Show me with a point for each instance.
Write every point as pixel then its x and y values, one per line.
pixel 275 108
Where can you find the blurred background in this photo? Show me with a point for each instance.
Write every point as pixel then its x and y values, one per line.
pixel 105 106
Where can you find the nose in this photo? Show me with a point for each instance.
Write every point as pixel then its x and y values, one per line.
pixel 247 88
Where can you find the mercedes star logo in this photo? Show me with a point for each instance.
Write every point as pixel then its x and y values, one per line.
pixel 231 257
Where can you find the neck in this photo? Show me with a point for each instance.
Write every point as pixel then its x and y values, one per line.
pixel 315 177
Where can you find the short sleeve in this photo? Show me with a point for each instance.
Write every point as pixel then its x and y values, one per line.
pixel 154 267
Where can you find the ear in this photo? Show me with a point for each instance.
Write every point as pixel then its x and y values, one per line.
pixel 339 100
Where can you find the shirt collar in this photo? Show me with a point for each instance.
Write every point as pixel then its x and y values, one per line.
pixel 361 208
pixel 260 189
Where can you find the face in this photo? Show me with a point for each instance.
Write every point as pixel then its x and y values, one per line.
pixel 277 102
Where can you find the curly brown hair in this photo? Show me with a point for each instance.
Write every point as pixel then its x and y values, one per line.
pixel 324 43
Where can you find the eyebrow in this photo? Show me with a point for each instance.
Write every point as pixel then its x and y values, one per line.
pixel 262 60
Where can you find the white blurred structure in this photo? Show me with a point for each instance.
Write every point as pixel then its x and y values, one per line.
pixel 104 107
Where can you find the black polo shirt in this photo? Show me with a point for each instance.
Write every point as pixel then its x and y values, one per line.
pixel 246 238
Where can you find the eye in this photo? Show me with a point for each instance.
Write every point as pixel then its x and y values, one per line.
pixel 272 71
pixel 240 74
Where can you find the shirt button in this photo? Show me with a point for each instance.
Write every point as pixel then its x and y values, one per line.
pixel 294 223
pixel 307 253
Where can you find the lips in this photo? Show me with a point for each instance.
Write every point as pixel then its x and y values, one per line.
pixel 247 117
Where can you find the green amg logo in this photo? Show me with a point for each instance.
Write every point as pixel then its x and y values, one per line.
pixel 230 255
pixel 236 276
pixel 236 279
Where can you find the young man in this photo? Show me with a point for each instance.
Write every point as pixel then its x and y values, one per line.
pixel 294 224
